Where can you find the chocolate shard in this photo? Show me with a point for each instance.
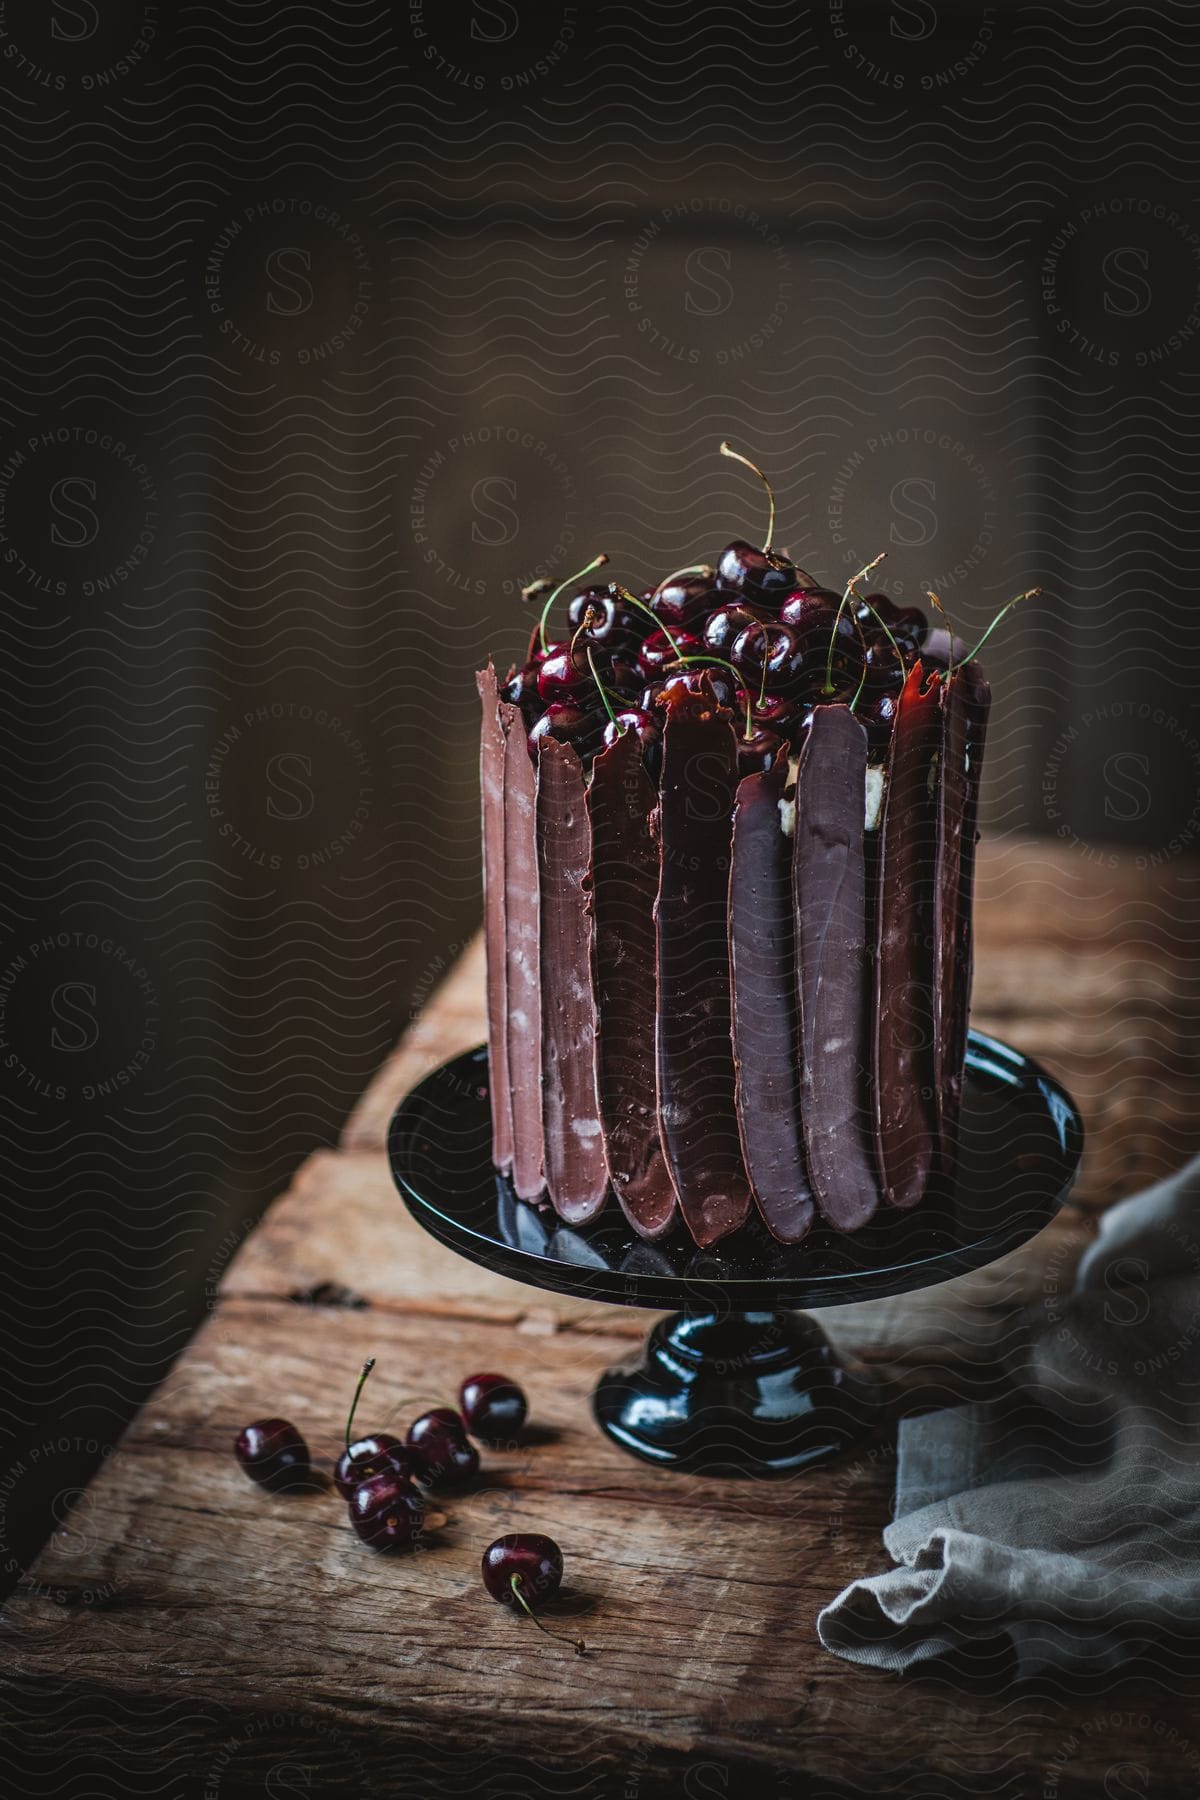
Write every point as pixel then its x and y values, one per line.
pixel 621 800
pixel 829 875
pixel 966 705
pixel 491 789
pixel 697 1110
pixel 522 961
pixel 576 1171
pixel 766 1044
pixel 907 1136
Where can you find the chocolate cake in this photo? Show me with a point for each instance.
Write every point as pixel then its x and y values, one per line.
pixel 728 844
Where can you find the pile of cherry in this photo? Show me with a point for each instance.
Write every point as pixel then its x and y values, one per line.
pixel 765 640
pixel 385 1481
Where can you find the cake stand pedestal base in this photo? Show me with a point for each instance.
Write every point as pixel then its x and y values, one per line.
pixel 736 1393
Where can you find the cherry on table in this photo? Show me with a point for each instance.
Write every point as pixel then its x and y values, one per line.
pixel 387 1512
pixel 440 1438
pixel 523 1569
pixel 493 1407
pixel 272 1453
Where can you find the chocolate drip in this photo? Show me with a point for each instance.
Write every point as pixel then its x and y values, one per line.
pixel 697 1111
pixel 907 1136
pixel 969 697
pixel 621 799
pixel 491 789
pixel 762 947
pixel 576 1172
pixel 522 961
pixel 829 871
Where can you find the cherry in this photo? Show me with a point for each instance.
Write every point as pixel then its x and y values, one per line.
pixel 564 673
pixel 771 656
pixel 877 714
pixel 272 1452
pixel 538 636
pixel 493 1406
pixel 568 724
pixel 661 649
pixel 520 689
pixel 522 1570
pixel 761 573
pixel 779 712
pixel 616 626
pixel 909 628
pixel 387 1512
pixel 818 619
pixel 440 1436
pixel 726 622
pixel 705 678
pixel 760 751
pixel 639 720
pixel 682 600
pixel 870 608
pixel 810 611
pixel 884 668
pixel 369 1456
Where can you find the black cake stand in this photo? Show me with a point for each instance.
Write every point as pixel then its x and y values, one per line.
pixel 735 1381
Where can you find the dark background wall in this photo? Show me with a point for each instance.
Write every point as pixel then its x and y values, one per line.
pixel 325 328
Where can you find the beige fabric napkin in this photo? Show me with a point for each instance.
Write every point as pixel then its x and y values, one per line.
pixel 1065 1517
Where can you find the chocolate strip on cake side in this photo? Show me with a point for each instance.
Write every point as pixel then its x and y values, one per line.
pixel 968 699
pixel 523 962
pixel 575 1167
pixel 621 800
pixel 491 790
pixel 833 987
pixel 762 949
pixel 907 1137
pixel 697 1111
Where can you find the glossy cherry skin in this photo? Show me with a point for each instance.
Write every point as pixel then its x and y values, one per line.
pixel 568 724
pixel 521 689
pixel 936 649
pixel 440 1436
pixel 493 1406
pixel 618 627
pixel 660 652
pixel 726 622
pixel 272 1452
pixel 787 663
pixel 870 608
pixel 535 1560
pixel 646 727
pixel 760 751
pixel 884 670
pixel 744 570
pixel 811 614
pixel 877 714
pixel 564 674
pixel 707 678
pixel 682 604
pixel 778 712
pixel 370 1456
pixel 387 1512
pixel 910 628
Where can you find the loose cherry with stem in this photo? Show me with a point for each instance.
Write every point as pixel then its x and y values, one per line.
pixel 367 1457
pixel 526 1563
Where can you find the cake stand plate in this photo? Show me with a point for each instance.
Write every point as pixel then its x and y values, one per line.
pixel 735 1381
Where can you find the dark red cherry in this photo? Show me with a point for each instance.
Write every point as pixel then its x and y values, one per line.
pixel 841 696
pixel 778 712
pixel 493 1406
pixel 683 599
pixel 811 614
pixel 526 1560
pixel 564 673
pixel 387 1512
pixel 616 626
pixel 810 611
pixel 272 1452
pixel 775 650
pixel 936 649
pixel 709 678
pixel 760 751
pixel 884 669
pixel 370 1456
pixel 521 689
pixel 877 714
pixel 723 625
pixel 870 608
pixel 568 724
pixel 659 651
pixel 909 628
pixel 646 727
pixel 758 574
pixel 440 1436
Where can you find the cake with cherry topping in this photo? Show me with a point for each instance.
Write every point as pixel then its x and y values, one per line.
pixel 728 837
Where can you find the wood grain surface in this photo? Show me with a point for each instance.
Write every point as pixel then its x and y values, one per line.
pixel 184 1633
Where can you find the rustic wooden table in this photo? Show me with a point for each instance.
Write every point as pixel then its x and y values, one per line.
pixel 185 1633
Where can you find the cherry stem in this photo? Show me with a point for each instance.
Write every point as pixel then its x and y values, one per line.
pixel 608 707
pixel 366 1370
pixel 727 449
pixel 1029 594
pixel 577 1644
pixel 623 593
pixel 718 662
pixel 539 632
pixel 949 627
pixel 850 587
